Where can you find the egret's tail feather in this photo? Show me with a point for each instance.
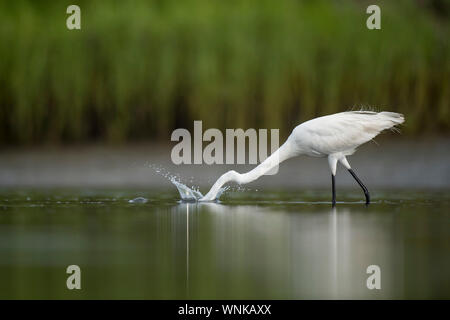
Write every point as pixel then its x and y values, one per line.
pixel 397 118
pixel 392 119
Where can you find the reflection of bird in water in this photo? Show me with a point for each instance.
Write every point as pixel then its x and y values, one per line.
pixel 335 136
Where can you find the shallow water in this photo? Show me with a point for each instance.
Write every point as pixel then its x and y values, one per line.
pixel 257 245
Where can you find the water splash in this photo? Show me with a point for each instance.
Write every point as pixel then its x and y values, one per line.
pixel 186 193
pixel 222 190
pixel 191 194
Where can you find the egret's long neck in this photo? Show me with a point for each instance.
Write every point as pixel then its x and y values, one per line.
pixel 283 153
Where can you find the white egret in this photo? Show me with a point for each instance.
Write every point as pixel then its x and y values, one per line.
pixel 334 136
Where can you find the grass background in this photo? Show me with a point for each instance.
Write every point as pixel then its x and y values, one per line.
pixel 139 69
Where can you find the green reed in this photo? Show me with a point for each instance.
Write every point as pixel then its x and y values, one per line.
pixel 138 69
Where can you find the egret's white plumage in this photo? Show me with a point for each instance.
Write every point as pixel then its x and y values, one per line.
pixel 342 132
pixel 334 136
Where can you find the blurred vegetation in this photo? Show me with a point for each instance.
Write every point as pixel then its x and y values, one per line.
pixel 138 69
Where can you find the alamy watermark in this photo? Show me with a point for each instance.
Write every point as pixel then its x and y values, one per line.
pixel 74 280
pixel 231 150
pixel 74 20
pixel 374 280
pixel 374 20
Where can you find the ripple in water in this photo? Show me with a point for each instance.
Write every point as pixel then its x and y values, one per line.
pixel 138 200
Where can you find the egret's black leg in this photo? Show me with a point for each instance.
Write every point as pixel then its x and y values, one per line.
pixel 333 190
pixel 366 192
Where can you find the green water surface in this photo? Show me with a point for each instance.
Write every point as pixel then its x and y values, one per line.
pixel 253 245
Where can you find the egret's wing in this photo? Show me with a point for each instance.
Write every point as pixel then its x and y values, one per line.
pixel 343 132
